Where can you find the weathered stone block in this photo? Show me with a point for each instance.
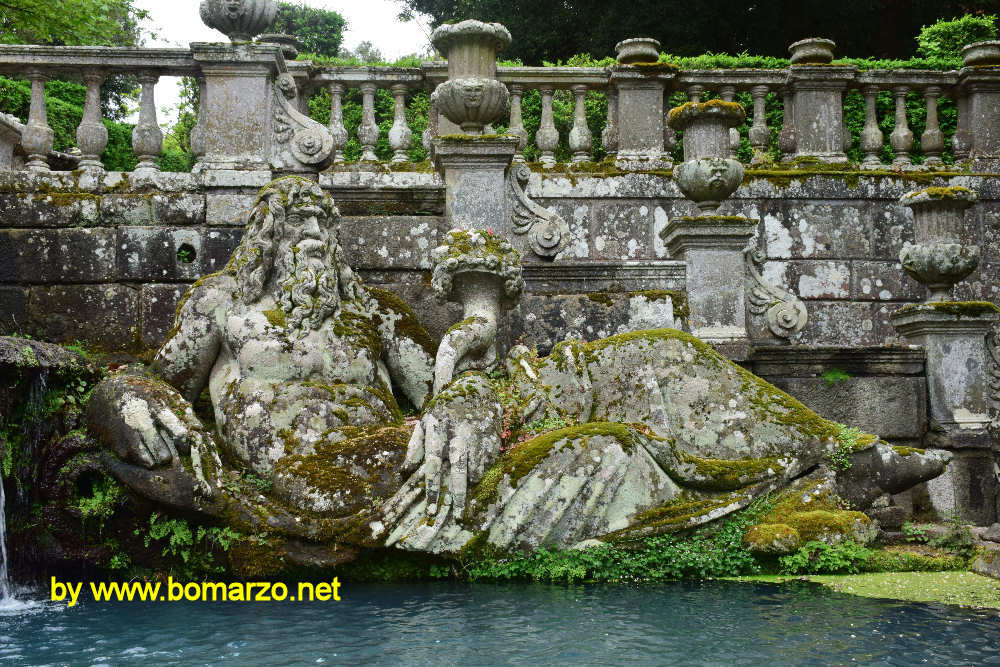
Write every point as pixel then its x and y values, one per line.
pixel 892 407
pixel 621 231
pixel 577 217
pixel 13 310
pixel 819 230
pixel 839 323
pixel 55 209
pixel 159 253
pixel 157 304
pixel 167 209
pixel 105 315
pixel 968 487
pixel 57 255
pixel 883 281
pixel 390 241
pixel 228 209
pixel 217 246
pixel 811 279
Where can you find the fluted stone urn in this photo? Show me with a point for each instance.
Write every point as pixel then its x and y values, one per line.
pixel 707 176
pixel 472 97
pixel 981 53
pixel 637 50
pixel 239 20
pixel 939 259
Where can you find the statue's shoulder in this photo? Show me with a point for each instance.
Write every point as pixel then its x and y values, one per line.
pixel 216 288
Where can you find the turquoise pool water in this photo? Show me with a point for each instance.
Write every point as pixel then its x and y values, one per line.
pixel 708 623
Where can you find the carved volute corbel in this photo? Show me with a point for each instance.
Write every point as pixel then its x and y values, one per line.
pixel 300 143
pixel 786 314
pixel 547 233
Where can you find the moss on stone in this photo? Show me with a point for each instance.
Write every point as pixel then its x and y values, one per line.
pixel 408 324
pixel 682 309
pixel 908 451
pixel 783 175
pixel 952 192
pixel 685 113
pixel 602 298
pixel 681 513
pixel 472 138
pixel 256 558
pixel 772 538
pixel 276 317
pixel 728 474
pixel 957 308
pixel 475 319
pixel 815 512
pixel 653 69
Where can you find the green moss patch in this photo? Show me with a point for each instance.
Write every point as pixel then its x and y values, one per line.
pixel 961 588
pixel 956 308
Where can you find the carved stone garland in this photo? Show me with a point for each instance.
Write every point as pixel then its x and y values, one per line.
pixel 548 233
pixel 786 314
pixel 300 143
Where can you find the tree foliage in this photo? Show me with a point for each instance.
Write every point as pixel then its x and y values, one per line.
pixel 556 30
pixel 945 39
pixel 320 30
pixel 70 22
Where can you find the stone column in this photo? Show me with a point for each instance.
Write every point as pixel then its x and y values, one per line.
pixel 91 135
pixel 640 118
pixel 474 172
pixel 871 135
pixel 788 137
pixel 337 129
pixel 609 137
pixel 516 126
pixel 37 138
pixel 237 114
pixel 932 139
pixel 901 137
pixel 817 95
pixel 980 80
pixel 198 131
pixel 580 138
pixel 759 134
pixel 953 335
pixel 961 142
pixel 547 136
pixel 728 94
pixel 147 137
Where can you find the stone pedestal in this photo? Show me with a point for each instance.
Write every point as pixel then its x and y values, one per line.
pixel 817 97
pixel 640 118
pixel 236 117
pixel 953 335
pixel 713 247
pixel 981 86
pixel 474 170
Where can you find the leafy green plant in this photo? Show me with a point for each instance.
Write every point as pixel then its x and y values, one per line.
pixel 106 496
pixel 914 533
pixel 958 538
pixel 822 558
pixel 945 39
pixel 847 441
pixel 835 375
pixel 192 549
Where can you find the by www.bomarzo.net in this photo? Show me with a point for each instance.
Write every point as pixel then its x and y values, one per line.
pixel 194 591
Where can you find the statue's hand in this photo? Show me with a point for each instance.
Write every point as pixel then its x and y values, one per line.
pixel 456 440
pixel 143 420
pixel 469 345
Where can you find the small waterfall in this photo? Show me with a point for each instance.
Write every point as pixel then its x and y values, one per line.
pixel 5 593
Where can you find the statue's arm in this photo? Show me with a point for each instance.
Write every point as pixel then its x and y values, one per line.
pixel 186 357
pixel 407 349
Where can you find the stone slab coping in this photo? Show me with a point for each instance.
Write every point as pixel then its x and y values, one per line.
pixel 604 276
pixel 814 360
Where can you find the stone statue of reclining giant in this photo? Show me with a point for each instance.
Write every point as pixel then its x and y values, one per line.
pixel 654 430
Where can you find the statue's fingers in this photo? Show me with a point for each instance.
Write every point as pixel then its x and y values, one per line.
pixel 174 431
pixel 433 452
pixel 415 448
pixel 444 366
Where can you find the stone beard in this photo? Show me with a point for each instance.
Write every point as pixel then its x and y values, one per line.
pixel 307 284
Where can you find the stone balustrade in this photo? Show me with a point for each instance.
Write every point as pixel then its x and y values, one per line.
pixel 813 98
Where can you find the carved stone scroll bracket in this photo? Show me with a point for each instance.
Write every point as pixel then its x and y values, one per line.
pixel 547 233
pixel 300 143
pixel 786 314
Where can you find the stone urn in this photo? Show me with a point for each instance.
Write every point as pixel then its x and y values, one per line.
pixel 707 176
pixel 812 51
pixel 472 98
pixel 637 50
pixel 981 53
pixel 938 258
pixel 239 20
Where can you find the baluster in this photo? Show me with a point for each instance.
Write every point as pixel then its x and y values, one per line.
pixel 91 135
pixel 517 121
pixel 609 136
pixel 694 93
pixel 37 138
pixel 547 137
pixel 788 139
pixel 431 130
pixel 728 94
pixel 400 135
pixel 871 135
pixel 303 98
pixel 368 131
pixel 932 140
pixel 759 134
pixel 901 138
pixel 669 134
pixel 198 147
pixel 580 137
pixel 147 138
pixel 961 141
pixel 337 128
